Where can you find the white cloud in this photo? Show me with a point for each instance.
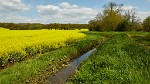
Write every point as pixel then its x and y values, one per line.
pixel 65 5
pixel 12 6
pixel 140 14
pixel 48 9
pixel 10 11
pixel 143 15
pixel 20 19
pixel 65 12
pixel 128 7
pixel 61 13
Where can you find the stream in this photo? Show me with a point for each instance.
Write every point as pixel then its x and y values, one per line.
pixel 64 74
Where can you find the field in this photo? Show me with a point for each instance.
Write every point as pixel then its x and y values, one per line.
pixel 121 59
pixel 34 55
pixel 50 61
pixel 17 44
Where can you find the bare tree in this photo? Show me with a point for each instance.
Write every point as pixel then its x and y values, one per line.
pixel 131 15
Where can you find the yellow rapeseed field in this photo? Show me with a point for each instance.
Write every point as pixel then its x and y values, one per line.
pixel 16 44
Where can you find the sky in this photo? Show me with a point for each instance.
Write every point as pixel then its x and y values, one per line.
pixel 63 11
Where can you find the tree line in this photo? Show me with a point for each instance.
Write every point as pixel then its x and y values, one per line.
pixel 114 18
pixel 36 26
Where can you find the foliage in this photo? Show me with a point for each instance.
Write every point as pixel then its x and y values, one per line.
pixel 96 23
pixel 146 24
pixel 108 20
pixel 122 26
pixel 114 18
pixel 129 26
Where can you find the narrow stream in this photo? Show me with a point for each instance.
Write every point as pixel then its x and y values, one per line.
pixel 64 74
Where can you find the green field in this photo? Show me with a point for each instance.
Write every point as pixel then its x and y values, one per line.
pixel 121 57
pixel 142 37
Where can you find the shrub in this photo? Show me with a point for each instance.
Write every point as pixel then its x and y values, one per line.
pixel 146 24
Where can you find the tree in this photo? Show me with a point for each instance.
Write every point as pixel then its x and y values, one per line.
pixel 146 24
pixel 114 18
pixel 111 16
pixel 109 19
pixel 123 25
pixel 96 23
pixel 131 22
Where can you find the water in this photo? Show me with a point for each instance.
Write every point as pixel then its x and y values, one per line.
pixel 64 74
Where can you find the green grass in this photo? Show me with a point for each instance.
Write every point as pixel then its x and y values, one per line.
pixel 21 71
pixel 141 37
pixel 47 63
pixel 138 33
pixel 120 60
pixel 145 40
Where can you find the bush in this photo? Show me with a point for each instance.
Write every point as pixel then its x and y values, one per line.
pixel 146 24
pixel 122 26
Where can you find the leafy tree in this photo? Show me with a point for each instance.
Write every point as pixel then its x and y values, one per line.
pixel 109 19
pixel 133 22
pixel 96 23
pixel 146 24
pixel 114 18
pixel 122 26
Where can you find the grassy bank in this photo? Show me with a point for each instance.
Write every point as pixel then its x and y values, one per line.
pixel 120 60
pixel 48 63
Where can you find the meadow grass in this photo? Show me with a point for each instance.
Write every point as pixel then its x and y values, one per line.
pixel 142 37
pixel 120 60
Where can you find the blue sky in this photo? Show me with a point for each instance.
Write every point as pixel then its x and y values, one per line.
pixel 62 11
